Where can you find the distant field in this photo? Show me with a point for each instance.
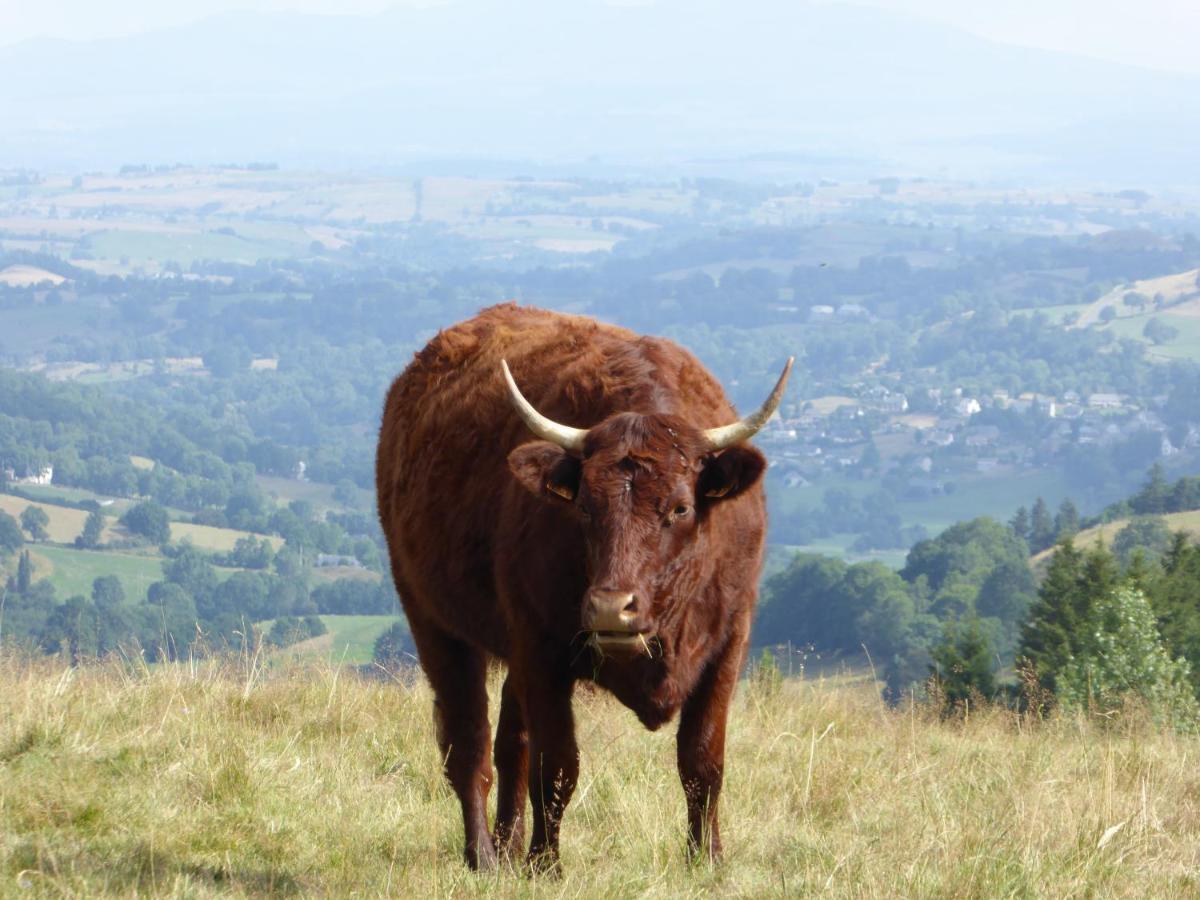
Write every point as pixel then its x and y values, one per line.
pixel 54 494
pixel 206 537
pixel 27 276
pixel 974 497
pixel 65 523
pixel 326 574
pixel 288 489
pixel 779 555
pixel 825 405
pixel 1172 288
pixel 73 571
pixel 152 248
pixel 1185 345
pixel 351 639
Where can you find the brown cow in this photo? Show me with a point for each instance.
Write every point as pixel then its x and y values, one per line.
pixel 624 547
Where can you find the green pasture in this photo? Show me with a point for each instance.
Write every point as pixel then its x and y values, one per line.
pixel 146 247
pixel 1185 345
pixel 350 639
pixel 73 571
pixel 285 490
pixel 53 493
pixel 997 497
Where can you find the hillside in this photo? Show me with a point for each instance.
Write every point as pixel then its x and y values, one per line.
pixel 1181 521
pixel 72 571
pixel 317 782
pixel 1165 291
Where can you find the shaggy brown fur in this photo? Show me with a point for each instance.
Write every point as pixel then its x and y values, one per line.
pixel 496 540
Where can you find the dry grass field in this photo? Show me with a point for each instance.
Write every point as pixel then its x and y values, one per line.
pixel 65 523
pixel 1188 522
pixel 1174 288
pixel 222 778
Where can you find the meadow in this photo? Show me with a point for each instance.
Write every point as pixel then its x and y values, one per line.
pixel 225 778
pixel 350 640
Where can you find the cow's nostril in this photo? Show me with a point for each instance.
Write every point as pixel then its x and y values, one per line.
pixel 631 606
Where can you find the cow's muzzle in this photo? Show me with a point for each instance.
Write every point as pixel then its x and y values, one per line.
pixel 614 621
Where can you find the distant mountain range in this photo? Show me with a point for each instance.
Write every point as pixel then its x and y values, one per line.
pixel 819 85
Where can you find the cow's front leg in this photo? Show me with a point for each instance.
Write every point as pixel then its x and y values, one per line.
pixel 553 759
pixel 700 747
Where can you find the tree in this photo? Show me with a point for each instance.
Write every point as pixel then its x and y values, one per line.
pixel 1066 521
pixel 170 621
pixel 226 360
pixel 34 520
pixel 1048 633
pixel 1041 527
pixel 1155 493
pixel 962 665
pixel 192 572
pixel 71 627
pixel 1020 524
pixel 1121 656
pixel 1159 332
pixel 148 520
pixel 345 492
pixel 11 537
pixel 24 573
pixel 1051 635
pixel 107 592
pixel 1149 534
pixel 89 538
pixel 288 630
pixel 394 647
pixel 113 621
pixel 1007 592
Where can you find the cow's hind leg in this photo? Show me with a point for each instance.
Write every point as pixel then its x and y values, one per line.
pixel 458 673
pixel 512 770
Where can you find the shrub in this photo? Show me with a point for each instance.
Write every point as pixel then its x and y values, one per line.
pixel 1122 659
pixel 148 520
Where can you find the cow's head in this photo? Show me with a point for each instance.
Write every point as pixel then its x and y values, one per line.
pixel 643 488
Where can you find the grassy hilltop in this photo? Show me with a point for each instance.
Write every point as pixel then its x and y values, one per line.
pixel 223 778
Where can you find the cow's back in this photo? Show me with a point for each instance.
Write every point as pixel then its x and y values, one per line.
pixel 448 426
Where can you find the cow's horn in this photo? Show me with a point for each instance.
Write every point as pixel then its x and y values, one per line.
pixel 728 435
pixel 547 429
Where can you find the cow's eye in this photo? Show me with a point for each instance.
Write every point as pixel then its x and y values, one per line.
pixel 680 511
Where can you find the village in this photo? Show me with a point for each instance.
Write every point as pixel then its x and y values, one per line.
pixel 872 431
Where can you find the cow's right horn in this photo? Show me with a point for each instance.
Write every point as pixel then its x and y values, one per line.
pixel 547 429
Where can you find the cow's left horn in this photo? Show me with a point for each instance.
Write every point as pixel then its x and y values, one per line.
pixel 728 435
pixel 547 429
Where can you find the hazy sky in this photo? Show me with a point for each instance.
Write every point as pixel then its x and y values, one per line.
pixel 1162 34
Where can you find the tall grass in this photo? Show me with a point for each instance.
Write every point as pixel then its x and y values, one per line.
pixel 229 778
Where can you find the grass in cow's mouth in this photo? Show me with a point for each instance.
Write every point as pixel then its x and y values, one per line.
pixel 623 639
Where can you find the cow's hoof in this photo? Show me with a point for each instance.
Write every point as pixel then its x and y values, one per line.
pixel 544 863
pixel 482 856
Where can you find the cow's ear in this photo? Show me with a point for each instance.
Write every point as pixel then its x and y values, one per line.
pixel 546 470
pixel 729 473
